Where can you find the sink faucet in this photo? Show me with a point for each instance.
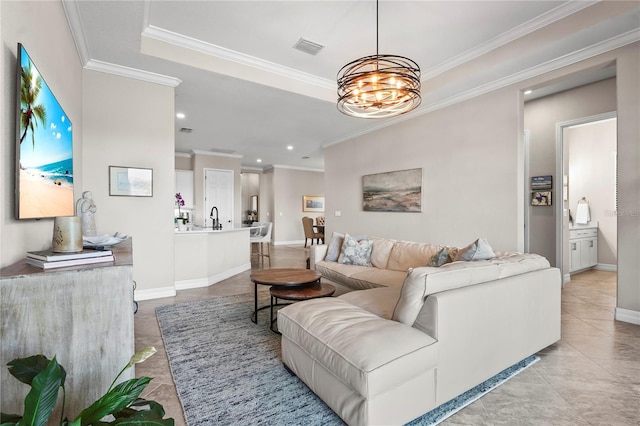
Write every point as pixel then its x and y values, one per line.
pixel 216 221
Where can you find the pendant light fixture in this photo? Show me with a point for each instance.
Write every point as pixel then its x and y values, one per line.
pixel 378 86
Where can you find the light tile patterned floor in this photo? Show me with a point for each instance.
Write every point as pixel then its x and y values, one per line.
pixel 590 377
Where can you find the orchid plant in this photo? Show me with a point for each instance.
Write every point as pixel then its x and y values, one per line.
pixel 179 201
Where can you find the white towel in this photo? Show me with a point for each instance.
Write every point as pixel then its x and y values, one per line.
pixel 582 214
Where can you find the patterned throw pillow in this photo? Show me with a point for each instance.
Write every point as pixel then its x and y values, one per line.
pixel 335 245
pixel 440 258
pixel 355 252
pixel 477 250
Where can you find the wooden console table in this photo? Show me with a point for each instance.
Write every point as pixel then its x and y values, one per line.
pixel 82 315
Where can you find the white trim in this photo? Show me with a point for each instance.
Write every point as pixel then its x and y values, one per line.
pixel 627 315
pixel 288 243
pixel 606 267
pixel 154 293
pixel 566 278
pixel 520 31
pixel 307 169
pixel 251 169
pixel 183 154
pixel 183 41
pixel 206 282
pixel 122 71
pixel 72 12
pixel 215 154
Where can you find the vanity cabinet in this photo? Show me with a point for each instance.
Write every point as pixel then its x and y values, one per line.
pixel 583 248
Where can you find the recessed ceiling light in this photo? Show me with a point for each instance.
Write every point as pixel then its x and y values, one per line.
pixel 259 160
pixel 528 92
pixel 289 147
pixel 180 115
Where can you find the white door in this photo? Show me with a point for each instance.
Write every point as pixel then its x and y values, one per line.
pixel 218 192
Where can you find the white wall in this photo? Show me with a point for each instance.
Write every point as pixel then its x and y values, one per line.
pixel 290 185
pixel 468 156
pixel 592 175
pixel 42 28
pixel 130 123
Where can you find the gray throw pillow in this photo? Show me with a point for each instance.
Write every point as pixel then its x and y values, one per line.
pixel 478 250
pixel 335 245
pixel 440 258
pixel 355 252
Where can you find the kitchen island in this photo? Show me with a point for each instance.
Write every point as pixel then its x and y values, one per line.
pixel 204 256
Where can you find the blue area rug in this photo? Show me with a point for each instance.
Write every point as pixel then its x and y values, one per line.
pixel 228 370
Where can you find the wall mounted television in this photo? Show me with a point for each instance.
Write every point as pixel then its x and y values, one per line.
pixel 44 148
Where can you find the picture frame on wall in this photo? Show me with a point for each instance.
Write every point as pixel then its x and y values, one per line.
pixel 130 181
pixel 541 198
pixel 397 191
pixel 312 203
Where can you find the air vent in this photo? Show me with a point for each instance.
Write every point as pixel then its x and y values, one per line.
pixel 186 130
pixel 307 46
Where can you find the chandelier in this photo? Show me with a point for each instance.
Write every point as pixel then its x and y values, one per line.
pixel 378 86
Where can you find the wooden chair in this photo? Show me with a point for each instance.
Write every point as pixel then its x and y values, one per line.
pixel 307 225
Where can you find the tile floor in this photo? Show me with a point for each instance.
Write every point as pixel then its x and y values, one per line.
pixel 590 377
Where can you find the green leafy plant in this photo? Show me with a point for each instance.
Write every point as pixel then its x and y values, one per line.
pixel 121 404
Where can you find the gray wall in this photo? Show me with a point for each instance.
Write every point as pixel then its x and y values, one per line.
pixel 46 36
pixel 472 184
pixel 540 118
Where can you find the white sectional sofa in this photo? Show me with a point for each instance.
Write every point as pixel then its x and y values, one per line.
pixel 388 354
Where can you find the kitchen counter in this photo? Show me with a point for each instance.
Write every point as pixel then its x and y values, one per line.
pixel 204 256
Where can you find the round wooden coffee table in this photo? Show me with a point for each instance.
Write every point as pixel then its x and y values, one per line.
pixel 298 293
pixel 281 277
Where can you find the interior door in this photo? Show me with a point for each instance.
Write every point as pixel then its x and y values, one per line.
pixel 218 192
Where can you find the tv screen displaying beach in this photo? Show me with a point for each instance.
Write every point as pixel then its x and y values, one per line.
pixel 45 148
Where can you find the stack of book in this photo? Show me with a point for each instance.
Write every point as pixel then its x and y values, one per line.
pixel 48 259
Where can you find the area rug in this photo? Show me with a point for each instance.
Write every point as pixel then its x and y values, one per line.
pixel 228 370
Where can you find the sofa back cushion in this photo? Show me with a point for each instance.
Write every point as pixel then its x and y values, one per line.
pixel 380 252
pixel 407 254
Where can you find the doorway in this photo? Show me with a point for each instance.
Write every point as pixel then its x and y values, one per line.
pixel 218 195
pixel 586 160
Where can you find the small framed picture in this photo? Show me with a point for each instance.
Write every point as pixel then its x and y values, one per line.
pixel 312 203
pixel 541 198
pixel 130 181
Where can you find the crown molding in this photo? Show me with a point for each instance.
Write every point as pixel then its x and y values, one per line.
pixel 183 154
pixel 186 42
pixel 569 59
pixel 249 169
pixel 528 27
pixel 72 12
pixel 304 169
pixel 215 154
pixel 122 71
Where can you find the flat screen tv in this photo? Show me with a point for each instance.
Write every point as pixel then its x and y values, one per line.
pixel 44 148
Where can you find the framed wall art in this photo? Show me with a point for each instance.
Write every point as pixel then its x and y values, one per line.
pixel 312 203
pixel 541 198
pixel 130 181
pixel 399 191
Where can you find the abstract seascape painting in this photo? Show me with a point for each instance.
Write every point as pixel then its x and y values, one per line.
pixel 399 191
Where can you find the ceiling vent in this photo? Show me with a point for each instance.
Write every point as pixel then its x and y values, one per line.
pixel 307 46
pixel 186 130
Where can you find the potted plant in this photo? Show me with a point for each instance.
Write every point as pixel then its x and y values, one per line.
pixel 120 405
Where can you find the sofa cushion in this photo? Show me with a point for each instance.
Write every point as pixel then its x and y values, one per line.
pixel 379 301
pixel 380 252
pixel 355 252
pixel 380 277
pixel 387 354
pixel 477 250
pixel 407 254
pixel 342 274
pixel 335 245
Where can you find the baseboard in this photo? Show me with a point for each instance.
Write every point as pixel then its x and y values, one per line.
pixel 288 243
pixel 627 315
pixel 154 293
pixel 606 267
pixel 205 282
pixel 566 278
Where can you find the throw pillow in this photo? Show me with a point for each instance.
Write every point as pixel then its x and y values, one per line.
pixel 355 252
pixel 335 245
pixel 440 258
pixel 478 250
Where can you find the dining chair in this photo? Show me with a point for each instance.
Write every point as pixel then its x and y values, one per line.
pixel 309 233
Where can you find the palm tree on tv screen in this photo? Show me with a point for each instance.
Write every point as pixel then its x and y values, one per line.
pixel 30 113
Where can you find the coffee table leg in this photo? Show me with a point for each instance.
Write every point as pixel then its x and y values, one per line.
pixel 271 318
pixel 255 303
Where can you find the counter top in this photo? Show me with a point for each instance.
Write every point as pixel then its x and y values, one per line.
pixel 591 225
pixel 201 230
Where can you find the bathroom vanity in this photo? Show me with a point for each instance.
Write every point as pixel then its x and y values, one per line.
pixel 583 247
